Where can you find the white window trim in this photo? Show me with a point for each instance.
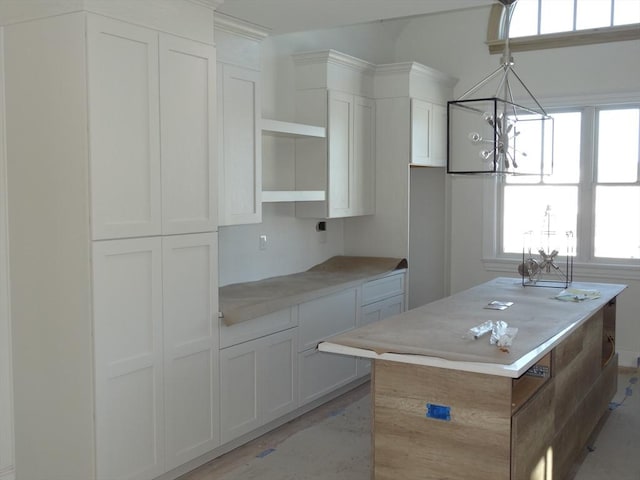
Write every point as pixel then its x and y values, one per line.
pixel 589 36
pixel 494 262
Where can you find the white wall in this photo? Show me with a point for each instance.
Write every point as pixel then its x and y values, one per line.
pixel 293 245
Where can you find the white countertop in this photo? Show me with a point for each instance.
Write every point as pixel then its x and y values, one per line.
pixel 434 334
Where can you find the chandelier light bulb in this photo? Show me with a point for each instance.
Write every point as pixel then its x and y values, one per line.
pixel 475 137
pixel 485 154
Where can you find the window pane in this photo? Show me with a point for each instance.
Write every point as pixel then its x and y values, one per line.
pixel 566 148
pixel 525 219
pixel 626 12
pixel 593 14
pixel 618 138
pixel 556 16
pixel 617 231
pixel 525 19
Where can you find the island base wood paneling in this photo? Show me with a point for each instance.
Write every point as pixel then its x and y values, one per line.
pixel 408 445
pixel 495 431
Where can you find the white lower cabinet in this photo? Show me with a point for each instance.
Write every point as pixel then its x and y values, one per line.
pixel 258 382
pixel 156 348
pixel 270 366
pixel 127 279
pixel 321 373
pixel 375 312
pixel 190 311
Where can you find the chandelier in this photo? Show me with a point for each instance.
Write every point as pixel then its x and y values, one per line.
pixel 491 133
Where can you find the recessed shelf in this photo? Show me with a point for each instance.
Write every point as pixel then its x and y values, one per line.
pixel 289 129
pixel 293 196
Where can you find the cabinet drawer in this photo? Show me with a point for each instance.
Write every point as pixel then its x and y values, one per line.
pixel 257 327
pixel 375 312
pixel 382 288
pixel 327 316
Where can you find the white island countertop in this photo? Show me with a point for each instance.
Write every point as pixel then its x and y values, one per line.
pixel 435 334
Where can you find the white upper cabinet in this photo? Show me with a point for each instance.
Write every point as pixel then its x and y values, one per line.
pixel 187 103
pixel 239 145
pixel 364 159
pixel 351 162
pixel 151 100
pixel 341 168
pixel 428 134
pixel 239 149
pixel 335 90
pixel 124 129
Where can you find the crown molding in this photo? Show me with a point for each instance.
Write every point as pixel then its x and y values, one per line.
pixel 212 4
pixel 333 57
pixel 240 27
pixel 410 68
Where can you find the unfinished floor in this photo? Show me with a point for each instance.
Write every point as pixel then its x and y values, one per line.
pixel 333 443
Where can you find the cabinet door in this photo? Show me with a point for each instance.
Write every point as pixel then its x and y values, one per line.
pixel 279 375
pixel 239 145
pixel 259 382
pixel 327 316
pixel 364 161
pixel 190 346
pixel 187 106
pixel 239 372
pixel 341 168
pixel 321 373
pixel 420 120
pixel 124 129
pixel 438 134
pixel 127 282
pixel 428 134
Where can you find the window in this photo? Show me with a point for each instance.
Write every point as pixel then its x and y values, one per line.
pixel 539 24
pixel 541 17
pixel 591 203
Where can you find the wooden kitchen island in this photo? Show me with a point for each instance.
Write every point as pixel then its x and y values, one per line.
pixel 448 406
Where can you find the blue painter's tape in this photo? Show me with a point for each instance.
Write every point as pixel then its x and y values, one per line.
pixel 266 452
pixel 439 412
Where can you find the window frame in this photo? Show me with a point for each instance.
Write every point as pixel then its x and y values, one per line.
pixel 585 263
pixel 589 36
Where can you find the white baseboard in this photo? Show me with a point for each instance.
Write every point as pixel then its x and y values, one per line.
pixel 627 358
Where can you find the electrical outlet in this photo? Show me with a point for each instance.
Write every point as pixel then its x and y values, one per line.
pixel 321 228
pixel 262 242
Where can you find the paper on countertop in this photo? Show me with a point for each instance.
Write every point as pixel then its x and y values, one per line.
pixel 498 305
pixel 577 295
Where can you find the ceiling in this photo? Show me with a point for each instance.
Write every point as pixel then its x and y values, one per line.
pixel 287 16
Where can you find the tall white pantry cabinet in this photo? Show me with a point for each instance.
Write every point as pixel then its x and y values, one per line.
pixel 113 243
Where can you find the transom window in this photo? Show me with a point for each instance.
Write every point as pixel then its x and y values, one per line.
pixel 540 24
pixel 541 17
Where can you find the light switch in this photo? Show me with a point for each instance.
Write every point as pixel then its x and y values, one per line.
pixel 262 243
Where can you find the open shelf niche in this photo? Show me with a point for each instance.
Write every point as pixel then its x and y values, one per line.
pixel 295 131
